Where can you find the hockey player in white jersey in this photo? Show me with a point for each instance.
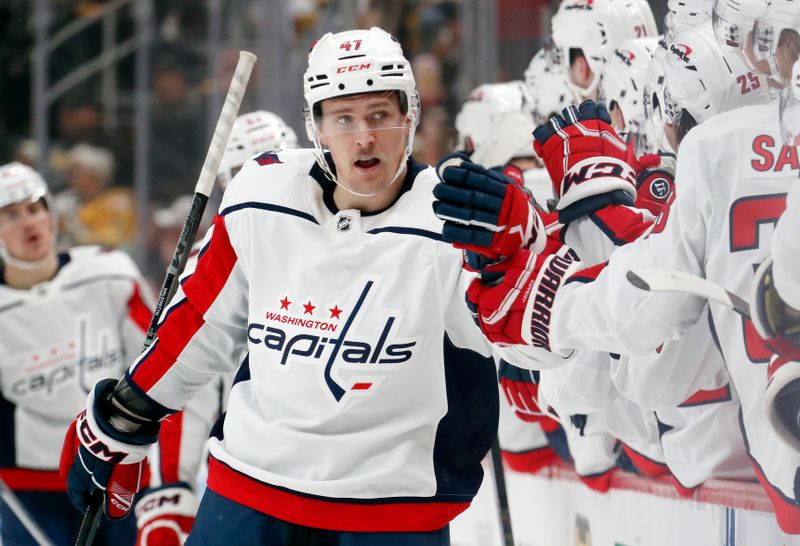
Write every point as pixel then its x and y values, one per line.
pixel 732 175
pixel 588 31
pixel 368 398
pixel 775 294
pixel 67 320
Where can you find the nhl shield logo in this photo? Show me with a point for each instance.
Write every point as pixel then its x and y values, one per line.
pixel 343 223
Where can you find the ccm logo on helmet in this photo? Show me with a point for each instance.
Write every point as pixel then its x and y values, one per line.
pixel 353 68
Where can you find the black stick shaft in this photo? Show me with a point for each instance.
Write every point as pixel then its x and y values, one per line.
pixel 502 495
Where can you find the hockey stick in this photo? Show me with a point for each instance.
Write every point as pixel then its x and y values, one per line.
pixel 502 494
pixel 202 191
pixel 666 280
pixel 23 516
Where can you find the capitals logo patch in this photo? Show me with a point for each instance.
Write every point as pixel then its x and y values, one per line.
pixel 333 338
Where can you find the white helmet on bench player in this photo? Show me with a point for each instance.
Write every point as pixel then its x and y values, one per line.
pixel 21 184
pixel 701 81
pixel 354 62
pixel 623 81
pixel 254 132
pixel 497 121
pixel 597 28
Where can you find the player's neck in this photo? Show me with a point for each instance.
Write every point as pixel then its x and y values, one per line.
pixel 346 200
pixel 23 279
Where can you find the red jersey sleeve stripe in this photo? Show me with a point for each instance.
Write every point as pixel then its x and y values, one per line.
pixel 138 311
pixel 169 443
pixel 184 319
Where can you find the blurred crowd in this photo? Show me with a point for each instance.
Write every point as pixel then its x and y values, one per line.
pixel 90 155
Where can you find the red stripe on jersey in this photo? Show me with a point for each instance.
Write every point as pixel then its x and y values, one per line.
pixel 644 464
pixel 787 513
pixel 25 479
pixel 137 309
pixel 599 482
pixel 361 386
pixel 588 274
pixel 169 444
pixel 186 318
pixel 701 397
pixel 335 515
pixel 621 224
pixel 531 461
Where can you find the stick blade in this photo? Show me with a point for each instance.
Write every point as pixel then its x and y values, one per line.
pixel 666 280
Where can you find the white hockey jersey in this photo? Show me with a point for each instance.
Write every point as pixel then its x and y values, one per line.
pixel 732 177
pixel 57 340
pixel 368 397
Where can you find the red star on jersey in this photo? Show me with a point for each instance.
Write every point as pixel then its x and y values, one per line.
pixel 309 308
pixel 335 311
pixel 285 303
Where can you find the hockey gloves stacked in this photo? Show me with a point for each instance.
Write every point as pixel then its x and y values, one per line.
pixel 98 456
pixel 485 213
pixel 587 161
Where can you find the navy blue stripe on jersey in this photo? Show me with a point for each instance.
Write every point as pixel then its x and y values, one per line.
pixel 268 207
pixel 217 431
pixel 98 278
pixel 409 231
pixel 468 429
pixel 8 453
pixel 606 229
pixel 11 306
pixel 243 374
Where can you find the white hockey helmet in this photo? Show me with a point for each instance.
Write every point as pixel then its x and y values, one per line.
pixel 547 83
pixel 354 62
pixel 624 78
pixel 258 131
pixel 790 108
pixel 702 81
pixel 652 138
pixel 733 22
pixel 779 26
pixel 597 28
pixel 21 184
pixel 685 15
pixel 497 119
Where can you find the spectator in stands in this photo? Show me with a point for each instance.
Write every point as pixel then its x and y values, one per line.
pixel 91 212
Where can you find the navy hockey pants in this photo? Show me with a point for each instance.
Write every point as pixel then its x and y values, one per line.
pixel 222 522
pixel 60 521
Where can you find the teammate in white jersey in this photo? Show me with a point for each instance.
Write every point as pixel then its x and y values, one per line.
pixel 67 320
pixel 368 397
pixel 733 174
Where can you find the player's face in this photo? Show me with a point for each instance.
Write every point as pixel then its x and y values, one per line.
pixel 26 230
pixel 366 135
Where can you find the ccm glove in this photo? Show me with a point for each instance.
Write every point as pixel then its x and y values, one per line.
pixel 96 455
pixel 164 516
pixel 484 212
pixel 587 161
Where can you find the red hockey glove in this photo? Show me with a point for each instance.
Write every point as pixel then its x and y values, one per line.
pixel 586 159
pixel 98 456
pixel 516 310
pixel 655 181
pixel 483 211
pixel 164 516
pixel 521 388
